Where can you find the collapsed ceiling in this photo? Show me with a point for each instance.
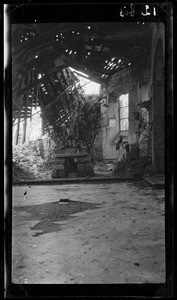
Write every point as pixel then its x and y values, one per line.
pixel 98 49
pixel 42 54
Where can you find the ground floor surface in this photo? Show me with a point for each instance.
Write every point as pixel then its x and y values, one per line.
pixel 106 233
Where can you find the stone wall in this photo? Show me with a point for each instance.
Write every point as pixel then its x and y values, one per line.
pixel 111 125
pixel 96 152
pixel 134 99
pixel 148 90
pixel 110 128
pixel 157 81
pixel 145 108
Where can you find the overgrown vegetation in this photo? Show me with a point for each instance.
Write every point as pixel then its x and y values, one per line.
pixel 28 164
pixel 139 161
pixel 134 165
pixel 87 123
pixel 77 124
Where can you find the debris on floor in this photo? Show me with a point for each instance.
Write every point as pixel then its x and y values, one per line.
pixel 104 169
pixel 134 167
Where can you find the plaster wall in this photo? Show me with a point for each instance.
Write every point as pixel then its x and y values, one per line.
pixel 110 135
pixel 134 99
pixel 110 129
pixel 96 152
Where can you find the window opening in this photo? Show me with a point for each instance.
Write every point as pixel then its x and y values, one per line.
pixel 124 112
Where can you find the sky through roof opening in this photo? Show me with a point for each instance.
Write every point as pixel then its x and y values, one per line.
pixel 89 87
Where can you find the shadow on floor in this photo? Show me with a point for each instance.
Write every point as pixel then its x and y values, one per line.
pixel 52 212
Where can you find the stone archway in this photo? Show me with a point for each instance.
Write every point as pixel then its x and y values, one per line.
pixel 158 119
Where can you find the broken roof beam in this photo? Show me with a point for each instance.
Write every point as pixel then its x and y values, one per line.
pixel 93 76
pixel 18 127
pixel 36 96
pixel 79 74
pixel 42 36
pixel 25 120
pixel 32 85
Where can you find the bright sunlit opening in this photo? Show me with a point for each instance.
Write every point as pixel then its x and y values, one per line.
pixel 33 129
pixel 36 125
pixel 79 72
pixel 89 87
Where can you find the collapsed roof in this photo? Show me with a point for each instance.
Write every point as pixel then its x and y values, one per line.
pixel 42 54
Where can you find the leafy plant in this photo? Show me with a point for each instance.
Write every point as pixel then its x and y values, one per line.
pixel 87 124
pixel 77 121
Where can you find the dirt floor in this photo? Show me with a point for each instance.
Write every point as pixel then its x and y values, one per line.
pixel 106 233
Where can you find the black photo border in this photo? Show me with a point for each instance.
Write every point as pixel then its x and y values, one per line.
pixel 27 12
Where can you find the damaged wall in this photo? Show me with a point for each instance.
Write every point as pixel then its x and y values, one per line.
pixel 158 91
pixel 146 107
pixel 96 152
pixel 111 124
pixel 134 99
pixel 145 138
pixel 110 127
pixel 121 83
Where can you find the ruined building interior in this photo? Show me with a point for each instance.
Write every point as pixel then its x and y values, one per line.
pixel 126 59
pixel 91 196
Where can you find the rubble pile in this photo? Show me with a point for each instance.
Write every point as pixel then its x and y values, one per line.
pixel 104 169
pixel 138 167
pixel 19 173
pixel 27 163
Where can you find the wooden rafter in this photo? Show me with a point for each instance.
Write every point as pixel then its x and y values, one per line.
pixel 37 95
pixel 25 118
pixel 18 126
pixel 44 96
